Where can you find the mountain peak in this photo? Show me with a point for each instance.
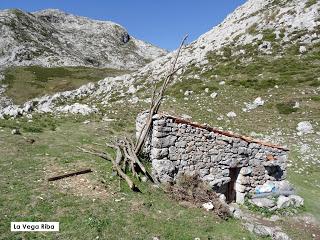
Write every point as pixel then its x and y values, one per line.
pixel 52 37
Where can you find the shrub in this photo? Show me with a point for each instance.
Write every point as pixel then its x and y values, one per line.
pixel 286 108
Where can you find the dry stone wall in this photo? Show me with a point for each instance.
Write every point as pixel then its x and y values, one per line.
pixel 177 148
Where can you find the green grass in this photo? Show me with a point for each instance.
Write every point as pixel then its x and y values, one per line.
pixel 315 98
pixel 25 83
pixel 310 3
pixel 27 196
pixel 25 166
pixel 269 35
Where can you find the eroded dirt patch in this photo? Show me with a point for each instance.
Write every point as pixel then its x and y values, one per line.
pixel 84 185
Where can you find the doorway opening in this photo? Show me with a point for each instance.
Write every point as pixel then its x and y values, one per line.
pixel 231 191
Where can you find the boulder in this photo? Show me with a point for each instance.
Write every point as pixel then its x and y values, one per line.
pixel 296 200
pixel 283 186
pixel 263 202
pixel 260 230
pixel 284 202
pixel 290 201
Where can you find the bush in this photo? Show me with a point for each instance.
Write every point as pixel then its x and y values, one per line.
pixel 286 108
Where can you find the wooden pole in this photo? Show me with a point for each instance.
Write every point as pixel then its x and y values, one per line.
pixel 69 174
pixel 156 105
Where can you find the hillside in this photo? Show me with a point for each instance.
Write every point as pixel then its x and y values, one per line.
pixel 53 38
pixel 30 43
pixel 256 73
pixel 263 45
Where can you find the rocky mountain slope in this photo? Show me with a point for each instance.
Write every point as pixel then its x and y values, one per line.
pixel 54 38
pixel 261 44
pixel 261 65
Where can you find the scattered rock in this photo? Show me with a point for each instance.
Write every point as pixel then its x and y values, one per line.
pixel 256 103
pixel 291 201
pixel 15 131
pixel 132 89
pixel 106 119
pixel 237 214
pixel 208 206
pixel 304 148
pixel 296 105
pixel 260 230
pixel 297 200
pixel 213 95
pixel 302 49
pixel 265 47
pixel 188 93
pixel 246 171
pixel 231 114
pixel 304 127
pixel 77 108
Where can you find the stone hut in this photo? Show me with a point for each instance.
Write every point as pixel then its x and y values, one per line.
pixel 231 164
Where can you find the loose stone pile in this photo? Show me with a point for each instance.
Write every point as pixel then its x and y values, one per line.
pixel 177 147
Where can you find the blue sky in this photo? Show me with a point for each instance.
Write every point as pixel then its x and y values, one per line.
pixel 162 22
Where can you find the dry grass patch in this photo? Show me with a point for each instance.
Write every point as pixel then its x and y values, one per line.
pixel 190 191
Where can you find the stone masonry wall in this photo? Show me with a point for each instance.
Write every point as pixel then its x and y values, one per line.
pixel 177 147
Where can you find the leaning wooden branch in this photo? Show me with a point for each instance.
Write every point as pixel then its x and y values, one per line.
pixel 155 105
pixel 126 151
pixel 114 163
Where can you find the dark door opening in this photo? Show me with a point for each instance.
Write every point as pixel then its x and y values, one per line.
pixel 231 192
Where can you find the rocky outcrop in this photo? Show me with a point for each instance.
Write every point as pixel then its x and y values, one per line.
pixel 249 25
